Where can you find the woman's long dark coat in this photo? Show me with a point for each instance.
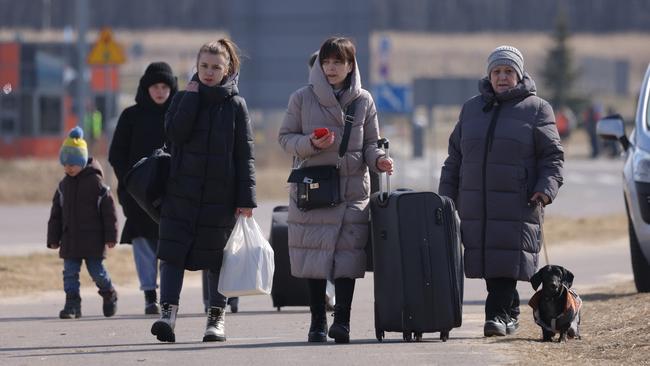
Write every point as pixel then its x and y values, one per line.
pixel 212 173
pixel 140 130
pixel 494 167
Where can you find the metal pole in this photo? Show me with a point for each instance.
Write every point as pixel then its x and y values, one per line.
pixel 433 162
pixel 81 14
pixel 108 97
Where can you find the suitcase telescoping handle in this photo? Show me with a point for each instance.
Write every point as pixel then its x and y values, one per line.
pixel 383 143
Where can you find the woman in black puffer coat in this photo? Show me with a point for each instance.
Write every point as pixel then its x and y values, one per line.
pixel 139 131
pixel 212 180
pixel 504 165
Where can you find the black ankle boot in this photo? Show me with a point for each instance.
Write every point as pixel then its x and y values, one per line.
pixel 72 307
pixel 151 302
pixel 340 330
pixel 109 306
pixel 233 302
pixel 318 327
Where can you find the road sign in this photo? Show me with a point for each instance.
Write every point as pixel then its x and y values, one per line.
pixel 106 51
pixel 393 98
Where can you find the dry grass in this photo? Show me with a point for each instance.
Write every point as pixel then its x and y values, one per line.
pixel 20 275
pixel 28 180
pixel 615 330
pixel 594 230
pixel 35 180
pixel 46 271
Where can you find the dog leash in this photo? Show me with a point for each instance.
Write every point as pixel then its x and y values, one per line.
pixel 538 204
pixel 541 229
pixel 544 246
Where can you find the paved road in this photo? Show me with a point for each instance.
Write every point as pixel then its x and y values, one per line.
pixel 259 335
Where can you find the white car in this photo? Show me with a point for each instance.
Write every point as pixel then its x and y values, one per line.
pixel 636 180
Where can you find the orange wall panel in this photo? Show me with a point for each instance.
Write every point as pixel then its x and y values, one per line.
pixel 98 80
pixel 69 118
pixel 10 64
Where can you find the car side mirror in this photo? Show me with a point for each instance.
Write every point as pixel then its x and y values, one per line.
pixel 613 128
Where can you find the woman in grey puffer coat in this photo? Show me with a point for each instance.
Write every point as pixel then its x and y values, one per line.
pixel 504 165
pixel 329 243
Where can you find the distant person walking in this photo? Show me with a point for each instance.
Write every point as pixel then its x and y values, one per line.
pixel 591 117
pixel 139 131
pixel 82 224
pixel 328 243
pixel 504 165
pixel 211 182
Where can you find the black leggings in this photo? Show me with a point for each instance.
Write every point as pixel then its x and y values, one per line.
pixel 171 283
pixel 503 299
pixel 344 288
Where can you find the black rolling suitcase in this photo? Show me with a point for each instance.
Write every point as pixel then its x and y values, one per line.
pixel 418 277
pixel 287 290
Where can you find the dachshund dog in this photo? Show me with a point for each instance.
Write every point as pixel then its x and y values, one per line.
pixel 556 307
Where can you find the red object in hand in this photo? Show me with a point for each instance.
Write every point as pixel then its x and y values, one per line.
pixel 320 132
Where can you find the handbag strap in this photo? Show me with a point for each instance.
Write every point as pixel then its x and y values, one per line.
pixel 348 119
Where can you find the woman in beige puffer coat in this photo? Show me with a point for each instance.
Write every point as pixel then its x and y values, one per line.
pixel 329 243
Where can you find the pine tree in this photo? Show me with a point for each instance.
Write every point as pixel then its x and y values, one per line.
pixel 559 73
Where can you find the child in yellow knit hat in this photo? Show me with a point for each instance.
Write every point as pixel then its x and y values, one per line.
pixel 83 205
pixel 74 151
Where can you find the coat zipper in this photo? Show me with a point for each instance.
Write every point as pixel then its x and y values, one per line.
pixel 205 169
pixel 488 148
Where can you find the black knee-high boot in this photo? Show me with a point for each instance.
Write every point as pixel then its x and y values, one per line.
pixel 318 326
pixel 340 329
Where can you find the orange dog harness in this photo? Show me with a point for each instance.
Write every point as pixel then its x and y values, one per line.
pixel 570 315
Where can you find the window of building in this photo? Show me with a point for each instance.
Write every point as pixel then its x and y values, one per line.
pixel 26 122
pixel 51 116
pixel 7 126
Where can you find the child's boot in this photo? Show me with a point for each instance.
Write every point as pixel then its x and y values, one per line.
pixel 215 328
pixel 72 307
pixel 151 302
pixel 110 301
pixel 163 328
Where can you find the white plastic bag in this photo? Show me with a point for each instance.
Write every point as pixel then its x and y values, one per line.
pixel 248 264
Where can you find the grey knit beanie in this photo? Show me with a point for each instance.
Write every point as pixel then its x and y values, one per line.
pixel 506 55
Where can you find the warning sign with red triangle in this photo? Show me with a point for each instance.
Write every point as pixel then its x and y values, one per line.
pixel 106 51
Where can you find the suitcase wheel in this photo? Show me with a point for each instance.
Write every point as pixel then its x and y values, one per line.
pixel 444 335
pixel 407 336
pixel 380 335
pixel 418 336
pixel 278 308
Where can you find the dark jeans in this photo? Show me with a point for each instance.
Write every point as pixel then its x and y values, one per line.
pixel 171 283
pixel 206 289
pixel 343 287
pixel 503 299
pixel 96 269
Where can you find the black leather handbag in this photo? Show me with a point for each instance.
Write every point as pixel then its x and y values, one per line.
pixel 146 181
pixel 318 186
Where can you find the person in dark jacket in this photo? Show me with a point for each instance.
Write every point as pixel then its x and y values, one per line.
pixel 82 224
pixel 139 131
pixel 504 165
pixel 211 182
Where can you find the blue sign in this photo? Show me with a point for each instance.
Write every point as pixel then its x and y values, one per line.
pixel 393 98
